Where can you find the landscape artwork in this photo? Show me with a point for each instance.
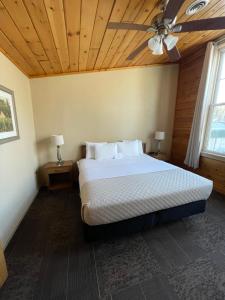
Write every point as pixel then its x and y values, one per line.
pixel 8 119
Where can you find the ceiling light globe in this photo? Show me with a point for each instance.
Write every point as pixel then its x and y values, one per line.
pixel 156 45
pixel 170 41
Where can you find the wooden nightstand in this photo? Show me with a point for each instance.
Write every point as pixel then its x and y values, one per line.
pixel 160 156
pixel 59 177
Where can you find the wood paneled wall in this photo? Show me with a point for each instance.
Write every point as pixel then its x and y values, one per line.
pixel 188 83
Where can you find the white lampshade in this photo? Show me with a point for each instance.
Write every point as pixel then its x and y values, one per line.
pixel 58 140
pixel 159 135
pixel 170 41
pixel 156 45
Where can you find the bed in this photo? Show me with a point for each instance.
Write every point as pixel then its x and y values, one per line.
pixel 121 196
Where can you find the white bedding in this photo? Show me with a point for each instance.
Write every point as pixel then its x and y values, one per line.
pixel 90 169
pixel 114 190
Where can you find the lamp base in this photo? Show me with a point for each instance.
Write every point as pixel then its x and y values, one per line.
pixel 60 163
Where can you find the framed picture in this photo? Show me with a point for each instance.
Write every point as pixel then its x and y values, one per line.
pixel 8 120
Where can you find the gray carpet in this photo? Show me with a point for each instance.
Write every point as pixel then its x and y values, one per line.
pixel 49 259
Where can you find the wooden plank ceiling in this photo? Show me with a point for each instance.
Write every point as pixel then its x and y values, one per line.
pixel 44 37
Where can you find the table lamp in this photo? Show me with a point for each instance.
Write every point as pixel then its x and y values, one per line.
pixel 58 141
pixel 159 136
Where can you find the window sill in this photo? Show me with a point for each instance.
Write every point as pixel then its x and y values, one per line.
pixel 213 156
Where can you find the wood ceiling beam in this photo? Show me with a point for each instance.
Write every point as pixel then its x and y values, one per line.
pixel 116 16
pixel 88 12
pixel 72 17
pixel 104 11
pixel 18 13
pixel 55 12
pixel 14 55
pixel 38 14
pixel 131 13
pixel 8 27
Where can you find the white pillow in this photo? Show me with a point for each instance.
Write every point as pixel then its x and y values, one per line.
pixel 106 151
pixel 90 149
pixel 140 145
pixel 128 148
pixel 119 155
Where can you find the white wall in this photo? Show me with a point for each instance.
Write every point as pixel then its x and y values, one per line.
pixel 104 106
pixel 18 159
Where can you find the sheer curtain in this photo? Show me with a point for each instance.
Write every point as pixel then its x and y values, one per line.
pixel 201 110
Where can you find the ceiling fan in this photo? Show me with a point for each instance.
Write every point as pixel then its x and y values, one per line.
pixel 163 25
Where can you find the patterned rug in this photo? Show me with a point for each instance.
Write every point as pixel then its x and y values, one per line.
pixel 48 257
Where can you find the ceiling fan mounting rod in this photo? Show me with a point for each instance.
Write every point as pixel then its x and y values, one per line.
pixel 160 25
pixel 163 31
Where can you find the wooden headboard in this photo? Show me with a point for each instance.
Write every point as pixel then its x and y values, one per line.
pixel 83 150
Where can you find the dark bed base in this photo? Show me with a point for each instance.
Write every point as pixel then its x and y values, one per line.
pixel 143 222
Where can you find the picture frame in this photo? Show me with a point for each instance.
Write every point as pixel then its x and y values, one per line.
pixel 9 130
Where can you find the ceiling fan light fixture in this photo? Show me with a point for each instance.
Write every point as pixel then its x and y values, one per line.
pixel 156 45
pixel 158 51
pixel 170 41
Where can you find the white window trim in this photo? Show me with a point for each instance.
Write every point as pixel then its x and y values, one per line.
pixel 214 155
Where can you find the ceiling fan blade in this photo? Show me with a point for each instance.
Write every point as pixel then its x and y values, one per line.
pixel 127 26
pixel 174 54
pixel 172 9
pixel 138 50
pixel 201 25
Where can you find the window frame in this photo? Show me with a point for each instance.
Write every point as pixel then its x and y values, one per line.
pixel 220 47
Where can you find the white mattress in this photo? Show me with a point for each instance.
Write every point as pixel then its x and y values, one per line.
pixel 114 190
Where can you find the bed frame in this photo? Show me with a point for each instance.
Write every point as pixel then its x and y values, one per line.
pixel 142 222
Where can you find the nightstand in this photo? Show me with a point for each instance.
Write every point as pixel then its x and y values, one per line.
pixel 160 156
pixel 59 177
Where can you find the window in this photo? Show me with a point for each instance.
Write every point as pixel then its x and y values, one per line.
pixel 215 130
